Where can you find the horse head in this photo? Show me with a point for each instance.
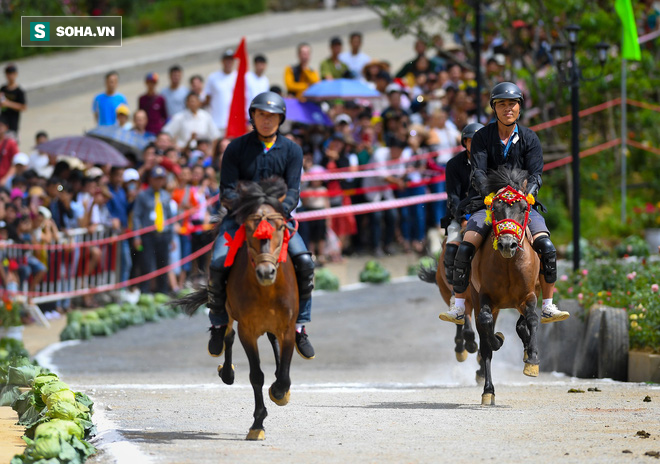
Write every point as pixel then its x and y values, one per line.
pixel 260 210
pixel 508 208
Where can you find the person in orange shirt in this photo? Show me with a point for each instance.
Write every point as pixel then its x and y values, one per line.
pixel 298 78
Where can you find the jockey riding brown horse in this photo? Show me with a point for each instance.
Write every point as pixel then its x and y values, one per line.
pixel 262 292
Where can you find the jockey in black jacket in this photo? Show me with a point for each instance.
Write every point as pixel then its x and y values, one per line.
pixel 457 181
pixel 504 142
pixel 259 155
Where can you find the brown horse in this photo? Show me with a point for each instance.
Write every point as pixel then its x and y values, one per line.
pixel 465 338
pixel 262 293
pixel 505 275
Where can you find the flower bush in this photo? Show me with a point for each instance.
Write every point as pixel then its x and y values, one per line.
pixel 10 312
pixel 633 286
pixel 647 217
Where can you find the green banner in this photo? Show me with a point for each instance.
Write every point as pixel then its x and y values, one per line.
pixel 71 31
pixel 630 46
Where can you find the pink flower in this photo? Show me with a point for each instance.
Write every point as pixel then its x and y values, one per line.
pixel 585 272
pixel 555 290
pixel 580 296
pixel 564 278
pixel 655 288
pixel 630 276
pixel 570 290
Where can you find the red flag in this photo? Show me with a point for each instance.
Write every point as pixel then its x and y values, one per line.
pixel 237 122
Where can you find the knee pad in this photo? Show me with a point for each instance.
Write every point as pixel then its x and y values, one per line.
pixel 463 266
pixel 217 289
pixel 304 266
pixel 450 257
pixel 544 247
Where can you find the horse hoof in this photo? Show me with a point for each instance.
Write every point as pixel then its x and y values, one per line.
pixel 282 401
pixel 488 399
pixel 531 370
pixel 256 434
pixel 525 356
pixel 228 377
pixel 462 356
pixel 480 379
pixel 500 335
pixel 471 347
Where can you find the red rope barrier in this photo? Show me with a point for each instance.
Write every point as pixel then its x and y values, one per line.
pixel 584 153
pixel 641 146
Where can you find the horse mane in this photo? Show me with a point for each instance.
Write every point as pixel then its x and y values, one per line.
pixel 251 195
pixel 506 175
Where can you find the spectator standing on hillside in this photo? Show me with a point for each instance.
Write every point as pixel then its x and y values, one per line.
pixel 175 94
pixel 123 117
pixel 197 87
pixel 191 124
pixel 355 59
pixel 153 104
pixel 12 100
pixel 8 149
pixel 219 91
pixel 256 81
pixel 332 67
pixel 105 104
pixel 299 77
pixel 409 67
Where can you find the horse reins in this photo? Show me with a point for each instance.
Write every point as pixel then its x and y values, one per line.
pixel 264 231
pixel 509 195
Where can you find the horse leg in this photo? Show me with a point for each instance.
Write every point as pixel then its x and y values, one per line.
pixel 523 332
pixel 490 342
pixel 468 332
pixel 532 319
pixel 249 342
pixel 276 350
pixel 279 391
pixel 459 349
pixel 226 370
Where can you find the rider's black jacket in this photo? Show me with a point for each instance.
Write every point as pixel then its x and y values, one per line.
pixel 457 184
pixel 244 159
pixel 488 153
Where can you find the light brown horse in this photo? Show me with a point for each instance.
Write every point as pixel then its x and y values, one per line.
pixel 262 293
pixel 505 275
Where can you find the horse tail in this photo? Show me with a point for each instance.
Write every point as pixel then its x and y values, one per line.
pixel 190 302
pixel 427 273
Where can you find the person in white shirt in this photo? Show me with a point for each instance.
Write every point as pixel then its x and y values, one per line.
pixel 355 59
pixel 256 81
pixel 219 90
pixel 175 94
pixel 193 123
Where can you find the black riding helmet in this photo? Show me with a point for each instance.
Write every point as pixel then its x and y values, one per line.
pixel 270 102
pixel 469 131
pixel 506 91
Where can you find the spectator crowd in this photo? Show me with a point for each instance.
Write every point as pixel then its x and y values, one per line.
pixel 179 128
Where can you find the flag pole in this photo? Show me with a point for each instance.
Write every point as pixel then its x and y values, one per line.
pixel 624 137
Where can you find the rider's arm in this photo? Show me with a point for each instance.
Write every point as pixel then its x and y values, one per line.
pixel 479 160
pixel 229 173
pixel 453 186
pixel 533 162
pixel 292 177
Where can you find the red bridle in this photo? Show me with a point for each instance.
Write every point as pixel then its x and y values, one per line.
pixel 510 226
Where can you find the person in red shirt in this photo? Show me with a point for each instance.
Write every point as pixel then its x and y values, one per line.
pixel 153 104
pixel 8 149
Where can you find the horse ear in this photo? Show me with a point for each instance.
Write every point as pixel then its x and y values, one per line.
pixel 524 186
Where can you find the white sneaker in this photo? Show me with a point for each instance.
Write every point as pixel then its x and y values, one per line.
pixel 550 313
pixel 455 315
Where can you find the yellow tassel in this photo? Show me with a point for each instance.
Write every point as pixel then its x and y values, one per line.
pixel 489 217
pixel 530 199
pixel 494 244
pixel 489 199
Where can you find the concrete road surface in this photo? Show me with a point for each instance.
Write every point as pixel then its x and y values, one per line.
pixel 384 388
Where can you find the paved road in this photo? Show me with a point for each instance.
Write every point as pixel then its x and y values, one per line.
pixel 385 387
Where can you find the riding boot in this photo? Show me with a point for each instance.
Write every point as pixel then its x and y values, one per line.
pixel 450 256
pixel 217 298
pixel 463 266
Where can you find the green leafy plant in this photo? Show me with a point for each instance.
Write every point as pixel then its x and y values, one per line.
pixel 10 313
pixel 633 286
pixel 324 279
pixel 374 272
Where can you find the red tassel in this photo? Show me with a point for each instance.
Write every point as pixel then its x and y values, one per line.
pixel 234 245
pixel 284 252
pixel 264 230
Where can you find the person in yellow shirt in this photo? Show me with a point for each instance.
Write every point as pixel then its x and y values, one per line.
pixel 299 77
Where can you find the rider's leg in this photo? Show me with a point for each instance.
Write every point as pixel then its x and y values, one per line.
pixel 453 241
pixel 542 244
pixel 217 288
pixel 304 266
pixel 476 230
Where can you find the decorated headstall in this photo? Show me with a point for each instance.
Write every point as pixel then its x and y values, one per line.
pixel 508 226
pixel 263 231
